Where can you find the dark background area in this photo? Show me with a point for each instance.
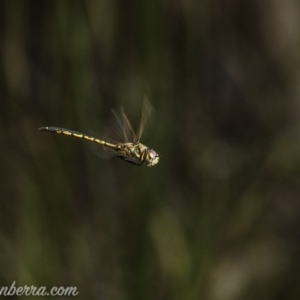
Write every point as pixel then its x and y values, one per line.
pixel 219 217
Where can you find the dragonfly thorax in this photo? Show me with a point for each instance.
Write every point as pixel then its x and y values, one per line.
pixel 137 153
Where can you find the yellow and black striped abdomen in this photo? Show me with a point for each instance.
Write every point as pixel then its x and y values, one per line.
pixel 76 134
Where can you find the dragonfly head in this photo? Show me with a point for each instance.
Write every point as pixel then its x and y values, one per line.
pixel 151 158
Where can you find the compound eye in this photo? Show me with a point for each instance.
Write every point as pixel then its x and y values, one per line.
pixel 152 158
pixel 151 155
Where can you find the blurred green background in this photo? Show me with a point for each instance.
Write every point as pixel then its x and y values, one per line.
pixel 219 217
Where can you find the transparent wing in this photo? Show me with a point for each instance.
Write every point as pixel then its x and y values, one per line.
pixel 146 113
pixel 124 128
pixel 102 151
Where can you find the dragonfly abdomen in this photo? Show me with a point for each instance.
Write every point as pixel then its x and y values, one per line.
pixel 76 134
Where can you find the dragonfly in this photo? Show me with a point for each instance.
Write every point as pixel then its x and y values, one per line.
pixel 129 149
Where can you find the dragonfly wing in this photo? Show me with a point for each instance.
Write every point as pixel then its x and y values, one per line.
pixel 146 112
pixel 124 128
pixel 102 151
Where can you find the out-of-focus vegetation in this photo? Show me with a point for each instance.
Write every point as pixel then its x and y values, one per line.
pixel 219 217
